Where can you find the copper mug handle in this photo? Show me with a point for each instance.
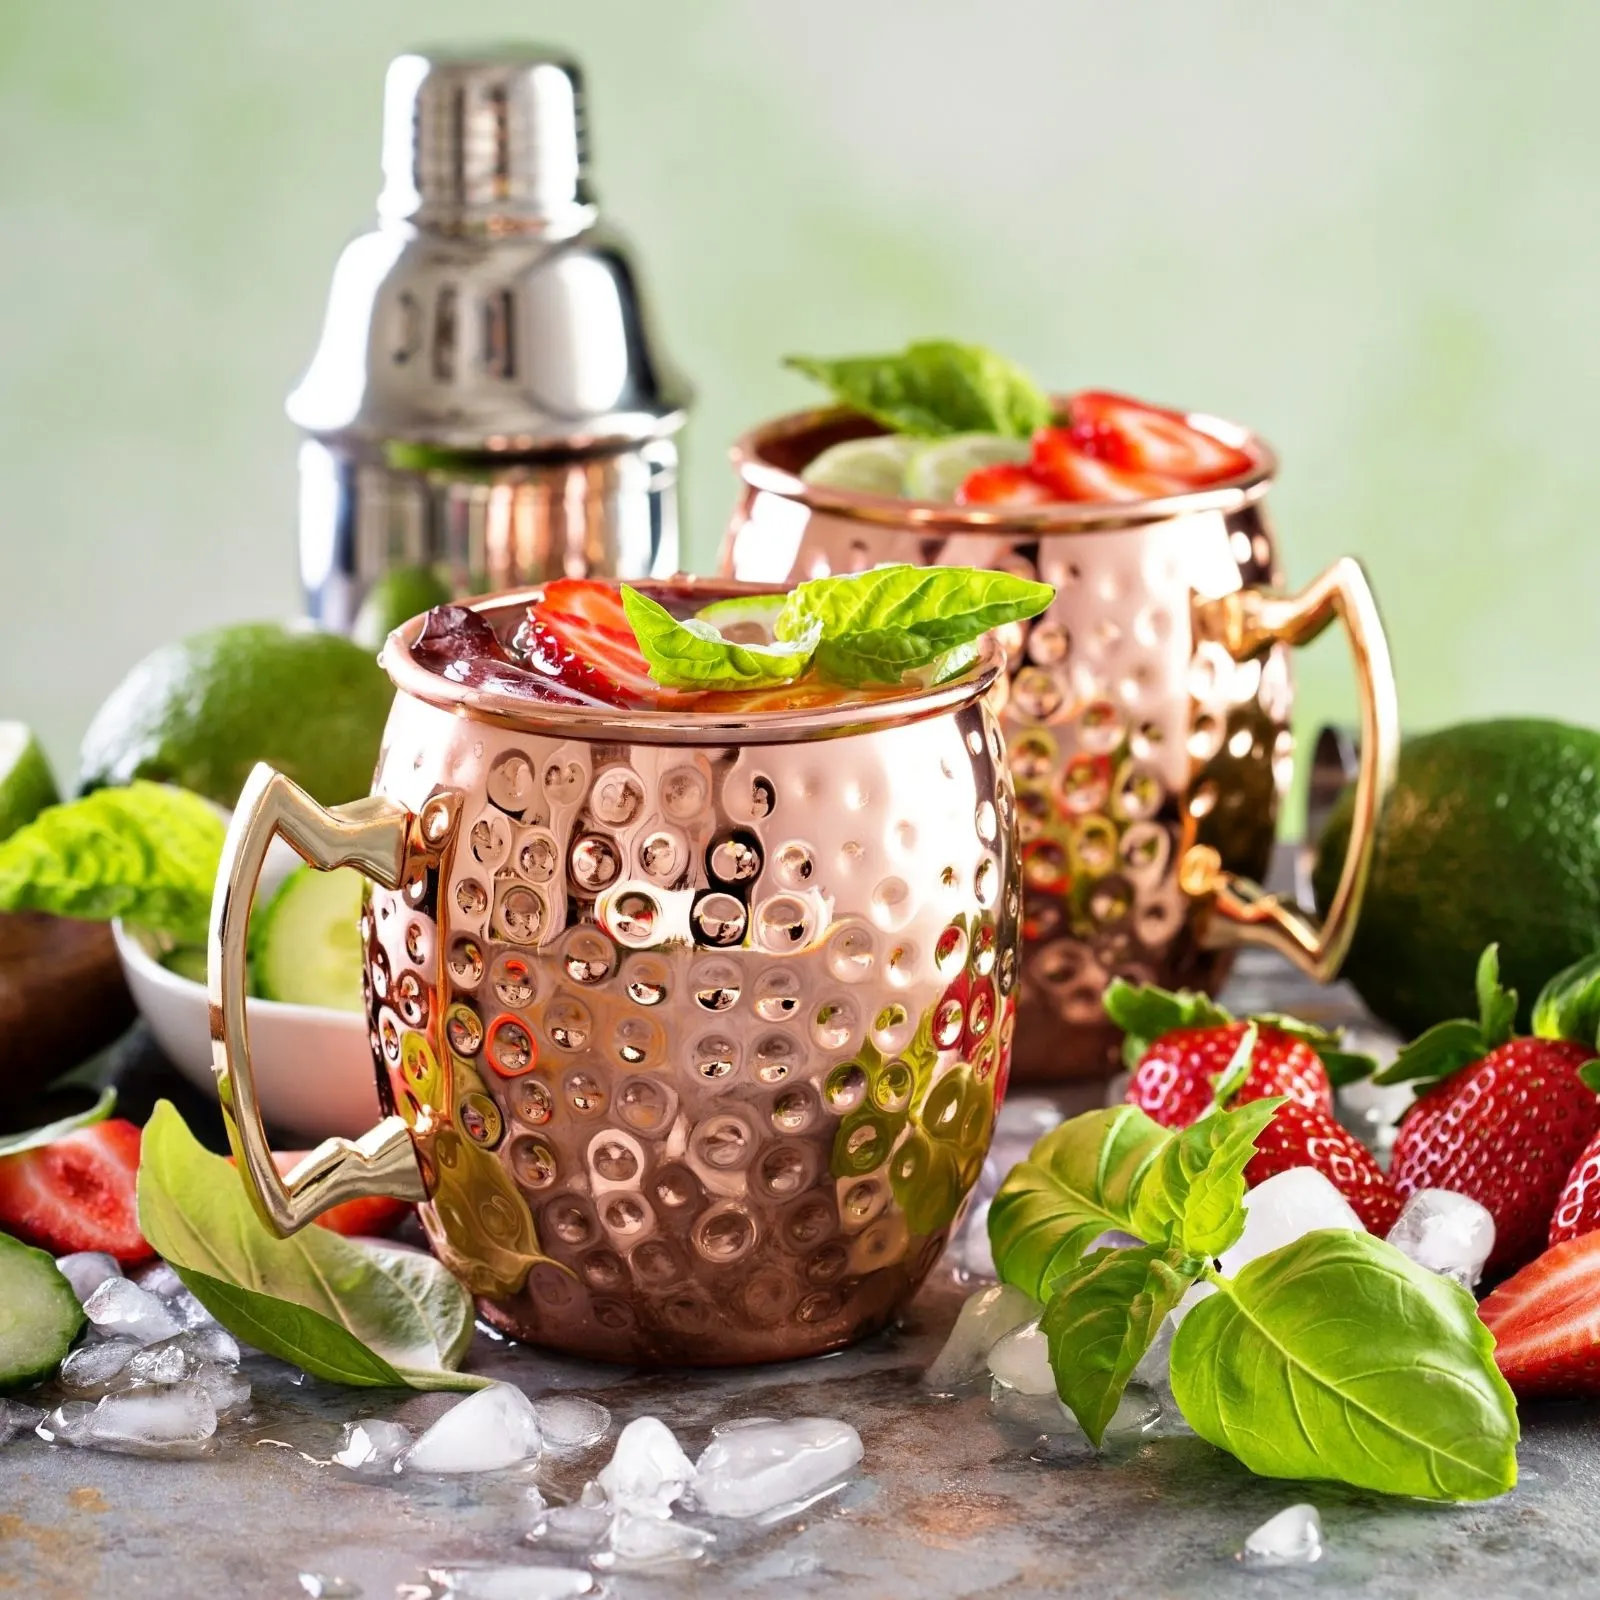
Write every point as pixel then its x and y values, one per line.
pixel 1248 623
pixel 373 835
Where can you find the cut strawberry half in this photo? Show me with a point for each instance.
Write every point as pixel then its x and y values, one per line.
pixel 77 1193
pixel 1546 1321
pixel 1006 483
pixel 1134 437
pixel 371 1218
pixel 1074 474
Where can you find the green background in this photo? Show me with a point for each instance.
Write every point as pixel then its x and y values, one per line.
pixel 1368 230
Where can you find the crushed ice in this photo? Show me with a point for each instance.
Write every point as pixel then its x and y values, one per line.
pixel 571 1423
pixel 1293 1538
pixel 751 1470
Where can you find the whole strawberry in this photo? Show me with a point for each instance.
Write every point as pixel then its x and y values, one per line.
pixel 1305 1136
pixel 1578 1209
pixel 1501 1119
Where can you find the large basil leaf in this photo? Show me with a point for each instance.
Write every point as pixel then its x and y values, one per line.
pixel 876 626
pixel 1103 1316
pixel 1336 1357
pixel 693 654
pixel 1194 1190
pixel 1079 1181
pixel 147 852
pixel 350 1312
pixel 935 387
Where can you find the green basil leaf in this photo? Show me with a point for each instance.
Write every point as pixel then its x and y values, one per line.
pixel 876 626
pixel 1497 1007
pixel 1445 1048
pixel 1230 1080
pixel 1103 1316
pixel 13 1144
pixel 1079 1181
pixel 399 1307
pixel 1144 1013
pixel 1193 1193
pixel 1336 1357
pixel 148 853
pixel 935 387
pixel 693 654
pixel 1568 1006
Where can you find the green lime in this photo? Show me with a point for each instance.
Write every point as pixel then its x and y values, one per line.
pixel 864 466
pixel 937 470
pixel 397 597
pixel 202 712
pixel 745 619
pixel 1492 835
pixel 26 784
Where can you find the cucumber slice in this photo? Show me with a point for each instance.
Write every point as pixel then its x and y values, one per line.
pixel 305 945
pixel 937 470
pixel 187 961
pixel 746 619
pixel 39 1315
pixel 864 466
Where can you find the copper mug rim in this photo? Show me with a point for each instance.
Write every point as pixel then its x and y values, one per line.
pixel 758 457
pixel 606 724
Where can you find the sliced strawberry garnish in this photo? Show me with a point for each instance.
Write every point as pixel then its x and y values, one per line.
pixel 77 1193
pixel 1301 1136
pixel 1133 437
pixel 1073 474
pixel 1006 483
pixel 1546 1321
pixel 587 600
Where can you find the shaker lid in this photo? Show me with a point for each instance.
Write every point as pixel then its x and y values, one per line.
pixel 487 310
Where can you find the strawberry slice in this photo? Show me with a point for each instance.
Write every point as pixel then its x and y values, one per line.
pixel 1075 474
pixel 1134 437
pixel 1006 483
pixel 77 1193
pixel 1546 1321
pixel 371 1218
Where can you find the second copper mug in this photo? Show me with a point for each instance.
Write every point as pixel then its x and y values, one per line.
pixel 690 1030
pixel 1146 713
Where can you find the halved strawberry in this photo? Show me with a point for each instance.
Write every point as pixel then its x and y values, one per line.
pixel 1135 437
pixel 1546 1322
pixel 1303 1136
pixel 1074 474
pixel 77 1193
pixel 1006 483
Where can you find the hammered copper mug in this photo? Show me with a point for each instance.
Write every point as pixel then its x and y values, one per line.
pixel 1146 715
pixel 689 1033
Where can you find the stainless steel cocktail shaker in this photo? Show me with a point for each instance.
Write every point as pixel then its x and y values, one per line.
pixel 486 402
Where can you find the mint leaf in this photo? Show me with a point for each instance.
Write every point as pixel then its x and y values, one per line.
pixel 1568 1006
pixel 935 387
pixel 1144 1013
pixel 1105 1313
pixel 1079 1181
pixel 877 626
pixel 1445 1048
pixel 1497 1007
pixel 147 853
pixel 693 654
pixel 1193 1193
pixel 1336 1357
pixel 13 1144
pixel 349 1312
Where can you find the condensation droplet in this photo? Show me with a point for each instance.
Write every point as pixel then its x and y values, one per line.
pixel 792 1111
pixel 533 1163
pixel 950 950
pixel 776 1057
pixel 892 904
pixel 644 1105
pixel 614 1161
pixel 532 1101
pixel 777 994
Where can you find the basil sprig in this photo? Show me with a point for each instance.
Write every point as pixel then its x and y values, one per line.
pixel 694 654
pixel 1333 1357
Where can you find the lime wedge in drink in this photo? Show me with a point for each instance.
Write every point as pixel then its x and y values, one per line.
pixel 937 470
pixel 26 785
pixel 745 619
pixel 864 466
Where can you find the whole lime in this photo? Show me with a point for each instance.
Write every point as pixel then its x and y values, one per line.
pixel 394 598
pixel 1492 835
pixel 202 712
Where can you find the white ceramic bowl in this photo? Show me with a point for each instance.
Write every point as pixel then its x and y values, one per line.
pixel 313 1067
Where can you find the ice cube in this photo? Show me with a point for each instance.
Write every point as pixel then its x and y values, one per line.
pixel 159 1363
pixel 748 1471
pixel 493 1428
pixel 328 1586
pixel 188 1310
pixel 373 1443
pixel 985 1317
pixel 1293 1538
pixel 571 1423
pixel 509 1583
pixel 575 1525
pixel 646 1539
pixel 1021 1360
pixel 16 1418
pixel 648 1469
pixel 1286 1207
pixel 86 1270
pixel 210 1346
pixel 228 1387
pixel 96 1369
pixel 1155 1365
pixel 161 1281
pixel 174 1419
pixel 1445 1232
pixel 120 1306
